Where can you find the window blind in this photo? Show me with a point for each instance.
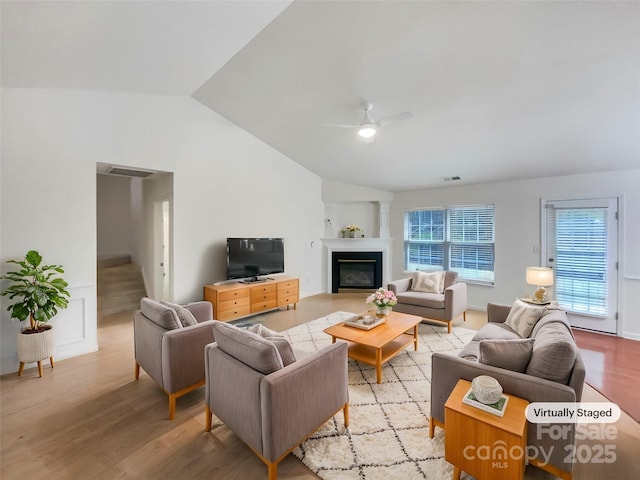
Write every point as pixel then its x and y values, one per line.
pixel 577 240
pixel 471 233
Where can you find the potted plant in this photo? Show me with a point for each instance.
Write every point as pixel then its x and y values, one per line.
pixel 40 292
pixel 351 231
pixel 382 299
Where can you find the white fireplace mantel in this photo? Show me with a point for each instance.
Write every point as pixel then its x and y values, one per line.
pixel 359 245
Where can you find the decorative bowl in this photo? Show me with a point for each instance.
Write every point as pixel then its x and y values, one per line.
pixel 486 389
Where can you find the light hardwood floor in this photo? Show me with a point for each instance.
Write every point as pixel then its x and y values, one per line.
pixel 88 419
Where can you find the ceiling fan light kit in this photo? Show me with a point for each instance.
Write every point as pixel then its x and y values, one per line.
pixel 368 129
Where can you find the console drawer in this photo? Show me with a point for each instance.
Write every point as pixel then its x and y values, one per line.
pixel 233 313
pixel 233 294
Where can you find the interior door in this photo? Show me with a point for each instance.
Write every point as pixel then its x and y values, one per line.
pixel 581 247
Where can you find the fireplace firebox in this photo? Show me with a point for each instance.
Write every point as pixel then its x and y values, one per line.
pixel 352 271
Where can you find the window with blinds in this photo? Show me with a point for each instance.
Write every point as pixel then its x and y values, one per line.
pixel 455 238
pixel 577 241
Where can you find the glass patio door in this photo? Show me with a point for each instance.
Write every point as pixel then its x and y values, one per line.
pixel 581 247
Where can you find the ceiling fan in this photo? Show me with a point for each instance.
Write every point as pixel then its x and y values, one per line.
pixel 367 129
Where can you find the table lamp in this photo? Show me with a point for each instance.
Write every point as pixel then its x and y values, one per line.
pixel 540 277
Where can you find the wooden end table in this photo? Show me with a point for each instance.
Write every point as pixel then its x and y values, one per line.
pixel 380 344
pixel 482 444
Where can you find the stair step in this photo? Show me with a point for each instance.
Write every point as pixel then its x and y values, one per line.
pixel 120 288
pixel 106 261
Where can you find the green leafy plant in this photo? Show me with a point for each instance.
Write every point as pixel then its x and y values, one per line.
pixel 38 288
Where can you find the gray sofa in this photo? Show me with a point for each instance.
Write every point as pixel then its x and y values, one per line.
pixel 170 352
pixel 270 396
pixel 442 307
pixel 554 372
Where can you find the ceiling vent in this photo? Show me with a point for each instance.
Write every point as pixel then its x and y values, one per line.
pixel 129 172
pixel 452 179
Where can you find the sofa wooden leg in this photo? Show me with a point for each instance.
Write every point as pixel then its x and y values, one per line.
pixel 172 406
pixel 555 471
pixel 464 316
pixel 432 427
pixel 207 415
pixel 136 372
pixel 345 411
pixel 272 468
pixel 448 327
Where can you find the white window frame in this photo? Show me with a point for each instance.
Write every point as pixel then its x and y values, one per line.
pixel 484 277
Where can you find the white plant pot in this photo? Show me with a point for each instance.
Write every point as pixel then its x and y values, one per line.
pixel 34 347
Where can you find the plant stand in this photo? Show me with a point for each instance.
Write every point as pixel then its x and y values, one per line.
pixel 39 367
pixel 35 347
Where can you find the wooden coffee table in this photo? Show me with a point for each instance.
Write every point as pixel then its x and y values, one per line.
pixel 380 344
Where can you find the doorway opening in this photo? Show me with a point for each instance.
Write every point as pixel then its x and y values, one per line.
pixel 133 217
pixel 581 246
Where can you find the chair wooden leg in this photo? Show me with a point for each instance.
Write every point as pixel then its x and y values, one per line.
pixel 172 406
pixel 20 369
pixel 51 361
pixel 345 412
pixel 137 371
pixel 272 468
pixel 40 368
pixel 207 415
pixel 448 327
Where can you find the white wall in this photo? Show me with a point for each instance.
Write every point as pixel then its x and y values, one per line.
pixel 115 226
pixel 226 183
pixel 517 228
pixel 346 204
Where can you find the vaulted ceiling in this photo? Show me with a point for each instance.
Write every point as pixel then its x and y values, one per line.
pixel 498 90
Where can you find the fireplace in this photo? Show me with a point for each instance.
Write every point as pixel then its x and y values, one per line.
pixel 353 271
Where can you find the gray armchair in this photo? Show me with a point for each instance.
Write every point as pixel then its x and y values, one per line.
pixel 441 307
pixel 272 401
pixel 170 353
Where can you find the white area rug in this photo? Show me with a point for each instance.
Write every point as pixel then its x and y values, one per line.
pixel 388 434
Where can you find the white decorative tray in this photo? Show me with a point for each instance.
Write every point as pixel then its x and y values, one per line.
pixel 362 322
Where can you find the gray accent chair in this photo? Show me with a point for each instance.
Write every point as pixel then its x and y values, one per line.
pixel 441 307
pixel 171 354
pixel 554 373
pixel 271 405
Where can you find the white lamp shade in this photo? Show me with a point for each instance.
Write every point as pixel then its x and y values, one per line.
pixel 540 276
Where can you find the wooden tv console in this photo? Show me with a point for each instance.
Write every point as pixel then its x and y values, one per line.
pixel 236 300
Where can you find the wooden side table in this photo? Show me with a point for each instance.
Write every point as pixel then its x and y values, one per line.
pixel 482 444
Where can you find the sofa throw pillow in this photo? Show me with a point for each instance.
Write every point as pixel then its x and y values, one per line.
pixel 554 353
pixel 428 282
pixel 523 317
pixel 185 316
pixel 282 344
pixel 511 355
pixel 159 314
pixel 247 347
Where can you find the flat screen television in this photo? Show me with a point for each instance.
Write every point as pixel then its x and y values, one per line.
pixel 250 258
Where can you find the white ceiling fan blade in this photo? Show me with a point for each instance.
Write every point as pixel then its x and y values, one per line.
pixel 394 118
pixel 339 125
